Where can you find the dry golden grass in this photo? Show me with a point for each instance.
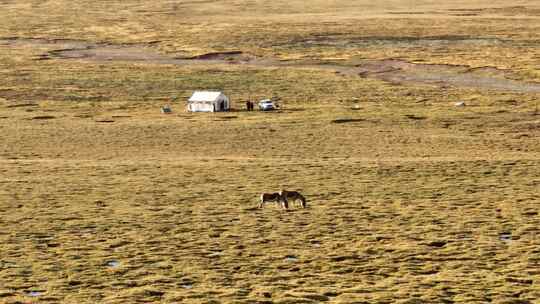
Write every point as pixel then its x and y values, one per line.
pixel 411 199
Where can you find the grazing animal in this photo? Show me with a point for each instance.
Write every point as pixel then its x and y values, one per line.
pixel 293 196
pixel 273 197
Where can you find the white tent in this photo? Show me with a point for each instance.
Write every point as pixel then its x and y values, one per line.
pixel 208 101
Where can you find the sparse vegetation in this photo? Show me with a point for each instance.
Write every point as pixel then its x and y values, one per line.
pixel 103 199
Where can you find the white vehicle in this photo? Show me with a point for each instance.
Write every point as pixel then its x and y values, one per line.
pixel 266 105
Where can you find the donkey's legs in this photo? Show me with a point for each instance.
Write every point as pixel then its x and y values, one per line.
pixel 284 203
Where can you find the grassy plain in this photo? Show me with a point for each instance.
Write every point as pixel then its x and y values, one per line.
pixel 411 199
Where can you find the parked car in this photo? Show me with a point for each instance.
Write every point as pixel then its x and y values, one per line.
pixel 266 105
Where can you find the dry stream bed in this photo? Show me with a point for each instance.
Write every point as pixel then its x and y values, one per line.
pixel 395 71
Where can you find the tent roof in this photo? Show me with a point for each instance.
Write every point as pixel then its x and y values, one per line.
pixel 204 96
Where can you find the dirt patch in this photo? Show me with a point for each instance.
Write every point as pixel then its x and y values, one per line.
pixel 415 117
pixel 226 118
pixel 110 53
pixel 44 43
pixel 347 120
pixel 79 49
pixel 104 120
pixel 217 56
pixel 43 117
pixel 403 72
pixel 22 105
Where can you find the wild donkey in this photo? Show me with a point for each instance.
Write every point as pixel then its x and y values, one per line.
pixel 273 197
pixel 293 196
